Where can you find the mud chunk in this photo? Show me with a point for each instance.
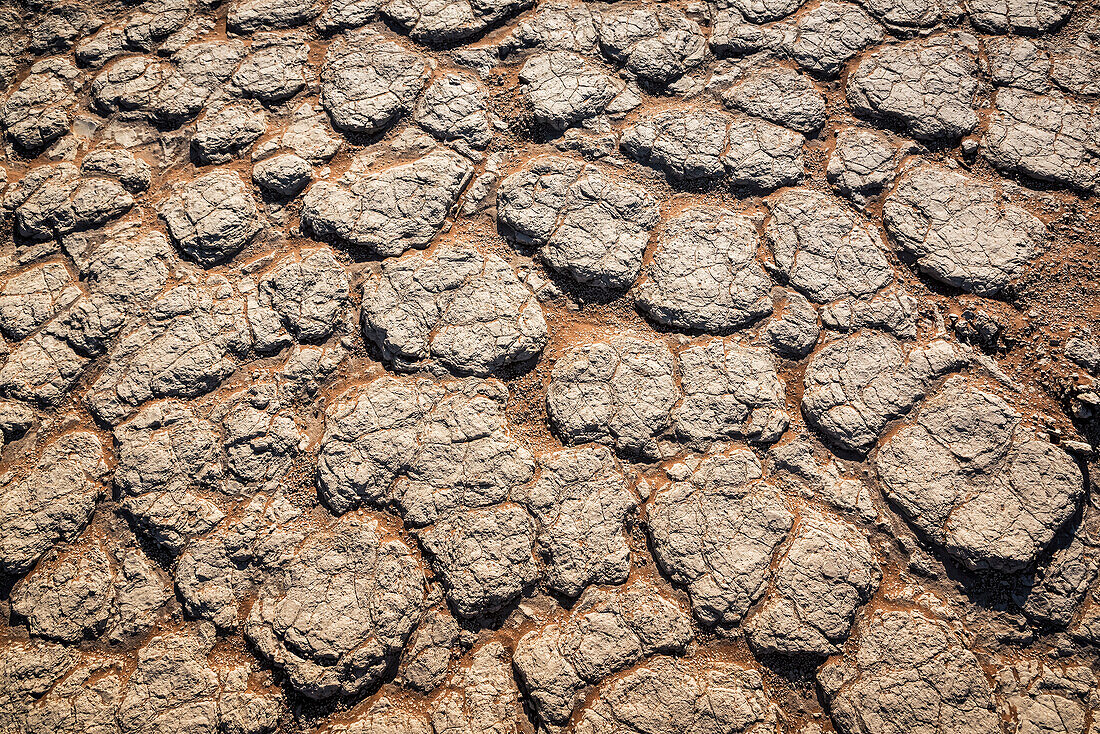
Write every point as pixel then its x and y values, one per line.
pixel 91 589
pixel 700 143
pixel 587 226
pixel 619 393
pixel 222 135
pixel 779 95
pixel 823 249
pixel 308 290
pixel 249 16
pixel 1050 138
pixel 926 85
pixel 163 93
pixel 704 274
pixel 185 349
pixel 607 631
pixel 392 210
pixel 961 230
pixel 261 437
pixel 762 156
pixel 729 391
pixel 174 688
pixel 341 15
pixel 466 310
pixel 892 310
pixel 1038 695
pixel 827 572
pixel 794 329
pixel 482 557
pixel 276 67
pixel 430 448
pixel 123 276
pixel 910 17
pixel 1062 586
pixel 366 82
pixel 453 109
pixel 656 43
pixel 28 669
pixel 715 531
pixel 854 386
pixel 580 502
pixel 671 695
pixel 341 609
pixel 31 298
pixel 85 699
pixel 863 164
pixel 166 457
pixel 685 143
pixel 480 697
pixel 1018 16
pixel 820 40
pixel 218 572
pixel 52 502
pixel 761 11
pixel 54 200
pixel 211 218
pixel 41 370
pixel 133 173
pixel 429 652
pixel 564 89
pixel 430 21
pixel 908 672
pixel 971 478
pixel 282 175
pixel 39 110
pixel 308 135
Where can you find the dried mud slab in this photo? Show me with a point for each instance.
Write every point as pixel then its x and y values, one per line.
pixel 549 367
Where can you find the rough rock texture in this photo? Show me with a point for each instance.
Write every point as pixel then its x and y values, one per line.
pixel 658 44
pixel 926 86
pixel 52 502
pixel 729 391
pixel 90 590
pixel 586 225
pixel 211 218
pixel 391 210
pixel 823 249
pixel 826 572
pixel 581 502
pixel 820 40
pixel 1051 138
pixel 335 616
pixel 714 528
pixel 563 89
pixel 855 385
pixel 669 695
pixel 700 143
pixel 619 392
pixel 458 307
pixel 556 367
pixel 430 448
pixel 39 110
pixel 606 632
pixel 704 275
pixel 366 82
pixel 970 477
pixel 482 557
pixel 961 230
pixel 908 672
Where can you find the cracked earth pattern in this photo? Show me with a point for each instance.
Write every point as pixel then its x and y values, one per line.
pixel 549 366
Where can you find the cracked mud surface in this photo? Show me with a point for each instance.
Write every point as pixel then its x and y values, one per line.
pixel 549 367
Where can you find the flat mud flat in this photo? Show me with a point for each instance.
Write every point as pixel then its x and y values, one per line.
pixel 549 367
